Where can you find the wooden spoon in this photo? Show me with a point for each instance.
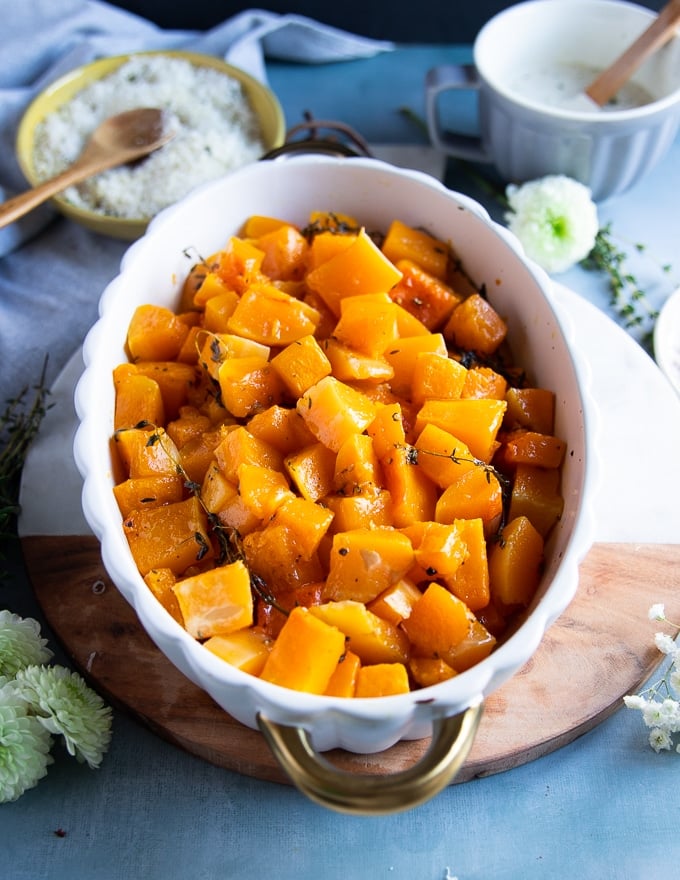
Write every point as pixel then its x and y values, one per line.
pixel 606 85
pixel 116 141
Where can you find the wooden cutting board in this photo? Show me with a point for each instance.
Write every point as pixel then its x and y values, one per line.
pixel 600 649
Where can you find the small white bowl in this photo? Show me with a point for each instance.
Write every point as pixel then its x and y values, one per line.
pixel 300 725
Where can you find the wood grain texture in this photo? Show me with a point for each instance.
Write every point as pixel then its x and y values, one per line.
pixel 600 649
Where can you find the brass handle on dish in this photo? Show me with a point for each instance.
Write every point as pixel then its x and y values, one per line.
pixel 371 795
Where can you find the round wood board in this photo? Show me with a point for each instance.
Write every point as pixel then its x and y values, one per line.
pixel 600 649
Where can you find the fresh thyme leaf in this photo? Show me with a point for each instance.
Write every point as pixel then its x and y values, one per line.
pixel 19 424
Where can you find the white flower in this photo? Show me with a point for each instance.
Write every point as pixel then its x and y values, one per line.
pixel 657 612
pixel 555 219
pixel 660 739
pixel 20 643
pixel 665 643
pixel 674 680
pixel 24 746
pixel 634 701
pixel 65 705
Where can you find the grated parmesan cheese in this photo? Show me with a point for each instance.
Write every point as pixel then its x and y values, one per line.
pixel 215 129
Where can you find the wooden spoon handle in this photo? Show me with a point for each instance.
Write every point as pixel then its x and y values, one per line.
pixel 660 31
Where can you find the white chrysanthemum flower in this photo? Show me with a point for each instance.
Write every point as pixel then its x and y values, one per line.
pixel 24 746
pixel 665 643
pixel 657 612
pixel 555 219
pixel 20 643
pixel 660 739
pixel 65 705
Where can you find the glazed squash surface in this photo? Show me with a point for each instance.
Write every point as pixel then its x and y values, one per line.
pixel 330 470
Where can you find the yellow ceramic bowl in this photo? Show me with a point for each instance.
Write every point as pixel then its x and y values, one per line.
pixel 263 101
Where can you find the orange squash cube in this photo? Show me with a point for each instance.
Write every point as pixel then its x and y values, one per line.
pixel 349 365
pixel 357 269
pixel 306 521
pixel 414 495
pixel 441 549
pixel 145 492
pixel 325 246
pixel 262 489
pixel 476 494
pixel 387 430
pixel 484 382
pixel 285 253
pixel 249 385
pixel 216 348
pixel 535 494
pixel 356 463
pixel 470 581
pixel 305 654
pixel 218 310
pixel 442 457
pixel 138 399
pixel 368 323
pixel 371 638
pixel 312 471
pixel 403 242
pixel 438 623
pixel 437 376
pixel 146 452
pixel 343 682
pixel 367 507
pixel 273 554
pixel 475 325
pixel 333 411
pixel 515 564
pixel 281 427
pixel 382 680
pixel 531 408
pixel 530 447
pixel 475 422
pixel 402 357
pixel 238 265
pixel 161 581
pixel 246 649
pixel 268 315
pixel 239 447
pixel 216 602
pixel 396 602
pixel 364 562
pixel 155 334
pixel 428 671
pixel 423 295
pixel 173 536
pixel 301 364
pixel 175 381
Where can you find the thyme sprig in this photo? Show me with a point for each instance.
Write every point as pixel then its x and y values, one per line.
pixel 19 425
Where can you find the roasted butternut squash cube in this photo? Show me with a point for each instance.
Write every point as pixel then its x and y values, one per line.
pixel 138 399
pixel 173 536
pixel 382 680
pixel 249 385
pixel 470 581
pixel 404 242
pixel 475 325
pixel 246 649
pixel 387 430
pixel 196 455
pixel 530 447
pixel 285 253
pixel 305 654
pixel 301 364
pixel 306 521
pixel 273 553
pixel 147 452
pixel 475 647
pixel 535 494
pixel 343 682
pixel 189 424
pixel 515 564
pixel 270 316
pixel 239 265
pixel 211 286
pixel 216 348
pixel 368 323
pixel 413 494
pixel 356 464
pixel 484 382
pixel 396 602
pixel 437 376
pixel 326 245
pixel 218 310
pixel 371 638
pixel 428 671
pixel 216 602
pixel 239 447
pixel 261 224
pixel 364 562
pixel 475 422
pixel 333 411
pixel 349 365
pixel 443 457
pixel 262 489
pixel 423 295
pixel 176 382
pixel 155 333
pixel 366 507
pixel 437 624
pixel 281 427
pixel 357 269
pixel 312 471
pixel 531 408
pixel 441 549
pixel 161 581
pixel 402 357
pixel 476 494
pixel 146 492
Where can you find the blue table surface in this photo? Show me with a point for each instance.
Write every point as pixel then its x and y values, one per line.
pixel 605 806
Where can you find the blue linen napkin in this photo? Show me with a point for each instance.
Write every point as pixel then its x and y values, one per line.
pixel 40 42
pixel 52 274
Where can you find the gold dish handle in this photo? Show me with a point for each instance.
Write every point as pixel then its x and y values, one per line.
pixel 372 795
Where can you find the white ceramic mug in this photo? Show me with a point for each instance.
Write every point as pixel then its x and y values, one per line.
pixel 531 126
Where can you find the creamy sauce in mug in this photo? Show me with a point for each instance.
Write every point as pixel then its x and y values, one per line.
pixel 561 86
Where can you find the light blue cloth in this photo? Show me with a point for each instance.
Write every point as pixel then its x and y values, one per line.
pixel 52 274
pixel 40 41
